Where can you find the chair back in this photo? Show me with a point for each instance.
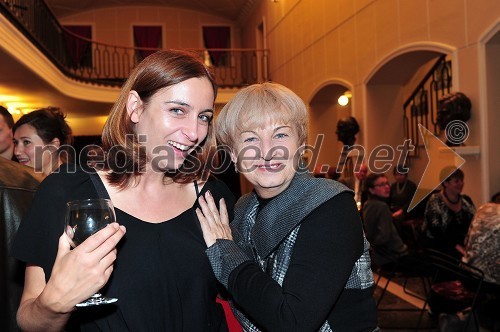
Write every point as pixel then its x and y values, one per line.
pixel 455 286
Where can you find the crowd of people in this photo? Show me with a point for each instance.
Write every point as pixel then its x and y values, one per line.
pixel 295 254
pixel 448 223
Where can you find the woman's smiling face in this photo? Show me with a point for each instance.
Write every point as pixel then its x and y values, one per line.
pixel 174 121
pixel 31 150
pixel 268 157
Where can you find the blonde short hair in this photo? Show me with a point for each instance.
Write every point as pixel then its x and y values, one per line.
pixel 252 106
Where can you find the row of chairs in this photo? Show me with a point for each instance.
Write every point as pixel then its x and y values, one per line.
pixel 448 285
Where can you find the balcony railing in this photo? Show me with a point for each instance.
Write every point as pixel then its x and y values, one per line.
pixel 89 61
pixel 422 106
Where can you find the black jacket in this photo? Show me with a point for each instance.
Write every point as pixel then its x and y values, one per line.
pixel 17 188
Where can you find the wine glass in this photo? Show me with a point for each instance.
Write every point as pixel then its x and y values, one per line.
pixel 84 218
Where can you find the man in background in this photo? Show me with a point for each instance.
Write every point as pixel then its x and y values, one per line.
pixel 387 246
pixel 18 184
pixel 6 142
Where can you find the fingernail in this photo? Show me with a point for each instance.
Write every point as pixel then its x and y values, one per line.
pixel 208 193
pixel 123 228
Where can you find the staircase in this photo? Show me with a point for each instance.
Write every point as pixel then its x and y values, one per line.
pixel 423 104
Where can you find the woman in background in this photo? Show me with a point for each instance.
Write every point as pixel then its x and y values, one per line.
pixel 42 140
pixel 448 215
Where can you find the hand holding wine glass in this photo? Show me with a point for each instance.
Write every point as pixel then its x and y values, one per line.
pixel 83 219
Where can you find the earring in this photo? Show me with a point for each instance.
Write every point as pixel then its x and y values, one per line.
pixel 302 164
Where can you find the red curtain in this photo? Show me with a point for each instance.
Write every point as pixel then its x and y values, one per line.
pixel 217 37
pixel 147 36
pixel 77 48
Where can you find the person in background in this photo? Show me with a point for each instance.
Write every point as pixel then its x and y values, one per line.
pixel 357 183
pixel 387 245
pixel 482 251
pixel 18 185
pixel 402 192
pixel 496 198
pixel 157 141
pixel 42 140
pixel 295 257
pixel 408 223
pixel 6 136
pixel 448 215
pixel 482 243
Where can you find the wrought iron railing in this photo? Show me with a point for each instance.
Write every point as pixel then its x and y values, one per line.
pixel 107 64
pixel 422 106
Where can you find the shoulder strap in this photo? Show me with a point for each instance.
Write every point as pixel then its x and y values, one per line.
pixel 196 188
pixel 98 185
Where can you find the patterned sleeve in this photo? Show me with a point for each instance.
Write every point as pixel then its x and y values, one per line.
pixel 433 217
pixel 225 256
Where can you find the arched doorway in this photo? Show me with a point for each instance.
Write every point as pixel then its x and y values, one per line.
pixel 324 112
pixel 387 89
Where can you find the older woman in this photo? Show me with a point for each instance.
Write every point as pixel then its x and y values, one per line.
pixel 448 215
pixel 295 257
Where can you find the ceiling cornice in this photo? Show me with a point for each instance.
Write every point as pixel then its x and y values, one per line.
pixel 20 48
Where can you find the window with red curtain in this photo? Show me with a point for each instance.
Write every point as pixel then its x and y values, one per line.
pixel 149 37
pixel 79 50
pixel 217 37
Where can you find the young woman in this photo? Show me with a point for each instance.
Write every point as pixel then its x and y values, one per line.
pixel 295 257
pixel 160 126
pixel 42 140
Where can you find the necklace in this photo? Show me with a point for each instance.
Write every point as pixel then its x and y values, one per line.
pixel 400 190
pixel 449 200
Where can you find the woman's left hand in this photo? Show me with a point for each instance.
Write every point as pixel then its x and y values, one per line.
pixel 214 223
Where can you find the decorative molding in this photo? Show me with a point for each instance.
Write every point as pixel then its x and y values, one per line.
pixel 20 48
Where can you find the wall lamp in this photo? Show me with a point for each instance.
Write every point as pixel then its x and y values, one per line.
pixel 345 98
